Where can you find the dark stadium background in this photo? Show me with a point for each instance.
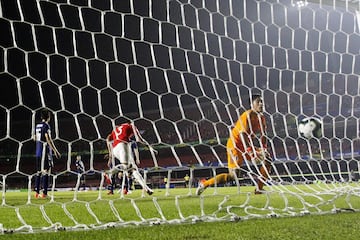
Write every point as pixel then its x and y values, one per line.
pixel 91 66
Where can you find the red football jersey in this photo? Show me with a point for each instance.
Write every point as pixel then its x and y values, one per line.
pixel 122 133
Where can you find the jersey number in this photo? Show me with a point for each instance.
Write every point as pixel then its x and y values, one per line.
pixel 118 132
pixel 38 134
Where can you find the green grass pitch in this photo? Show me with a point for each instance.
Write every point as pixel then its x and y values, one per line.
pixel 138 217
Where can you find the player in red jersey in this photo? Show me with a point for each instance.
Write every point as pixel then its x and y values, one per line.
pixel 119 147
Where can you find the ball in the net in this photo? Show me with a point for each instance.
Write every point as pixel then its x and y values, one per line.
pixel 310 127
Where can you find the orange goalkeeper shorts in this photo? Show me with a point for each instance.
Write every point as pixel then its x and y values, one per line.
pixel 235 156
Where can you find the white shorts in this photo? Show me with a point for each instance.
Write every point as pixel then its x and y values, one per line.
pixel 122 152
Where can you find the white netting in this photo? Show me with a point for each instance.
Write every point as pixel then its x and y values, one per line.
pixel 183 71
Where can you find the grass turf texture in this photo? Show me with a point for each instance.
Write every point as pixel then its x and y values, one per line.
pixel 336 226
pixel 330 226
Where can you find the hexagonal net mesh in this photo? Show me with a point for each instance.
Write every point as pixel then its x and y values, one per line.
pixel 183 71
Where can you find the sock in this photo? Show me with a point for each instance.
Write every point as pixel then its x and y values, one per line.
pixel 111 187
pixel 37 183
pixel 110 177
pixel 45 183
pixel 219 179
pixel 126 184
pixel 140 180
pixel 123 182
pixel 130 183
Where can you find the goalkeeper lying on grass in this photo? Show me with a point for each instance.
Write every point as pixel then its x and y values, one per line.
pixel 247 141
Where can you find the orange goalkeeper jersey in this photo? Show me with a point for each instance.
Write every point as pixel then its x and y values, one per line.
pixel 252 124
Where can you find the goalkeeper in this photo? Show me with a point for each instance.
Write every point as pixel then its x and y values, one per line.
pixel 119 147
pixel 247 141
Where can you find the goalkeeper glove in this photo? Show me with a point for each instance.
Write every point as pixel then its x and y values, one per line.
pixel 259 155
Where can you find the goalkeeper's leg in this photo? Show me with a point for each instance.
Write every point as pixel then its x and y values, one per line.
pixel 219 179
pixel 235 160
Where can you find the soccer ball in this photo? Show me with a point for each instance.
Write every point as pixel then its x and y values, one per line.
pixel 310 127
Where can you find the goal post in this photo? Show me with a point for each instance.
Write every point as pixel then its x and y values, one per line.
pixel 183 72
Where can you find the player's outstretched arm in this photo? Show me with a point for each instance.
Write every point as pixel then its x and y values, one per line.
pixel 140 139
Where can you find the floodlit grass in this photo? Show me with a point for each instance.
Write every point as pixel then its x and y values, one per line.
pixel 335 227
pixel 257 214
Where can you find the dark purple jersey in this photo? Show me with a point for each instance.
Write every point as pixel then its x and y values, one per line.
pixel 40 131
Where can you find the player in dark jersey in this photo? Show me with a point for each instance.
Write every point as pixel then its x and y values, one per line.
pixel 45 148
pixel 119 146
pixel 80 169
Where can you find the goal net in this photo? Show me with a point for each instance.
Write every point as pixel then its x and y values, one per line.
pixel 183 72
